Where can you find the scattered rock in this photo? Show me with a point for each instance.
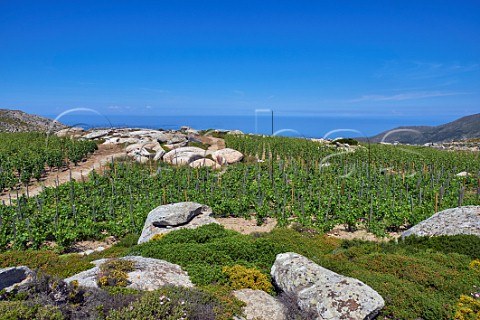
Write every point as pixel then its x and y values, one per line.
pixel 462 220
pixel 260 305
pixel 10 278
pixel 228 154
pixel 149 274
pixel 330 295
pixel 169 217
pixel 205 162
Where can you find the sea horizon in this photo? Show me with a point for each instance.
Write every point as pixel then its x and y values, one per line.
pixel 306 126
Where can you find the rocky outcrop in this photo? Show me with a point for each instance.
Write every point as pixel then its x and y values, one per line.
pixel 10 278
pixel 19 121
pixel 462 220
pixel 227 155
pixel 169 217
pixel 260 305
pixel 148 274
pixel 330 295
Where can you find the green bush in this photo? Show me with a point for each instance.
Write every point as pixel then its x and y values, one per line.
pixel 202 252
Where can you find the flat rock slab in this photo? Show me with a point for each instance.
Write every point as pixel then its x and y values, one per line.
pixel 170 217
pixel 260 305
pixel 461 220
pixel 149 274
pixel 96 134
pixel 12 277
pixel 328 294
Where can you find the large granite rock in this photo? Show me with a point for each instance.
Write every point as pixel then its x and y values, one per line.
pixel 227 155
pixel 184 155
pixel 170 217
pixel 149 274
pixel 462 220
pixel 260 305
pixel 204 162
pixel 330 295
pixel 10 278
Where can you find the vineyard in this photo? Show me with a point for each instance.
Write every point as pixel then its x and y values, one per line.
pixel 24 156
pixel 378 187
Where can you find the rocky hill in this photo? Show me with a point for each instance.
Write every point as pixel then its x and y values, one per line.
pixel 19 121
pixel 464 128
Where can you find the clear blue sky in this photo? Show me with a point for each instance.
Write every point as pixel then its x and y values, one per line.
pixel 343 58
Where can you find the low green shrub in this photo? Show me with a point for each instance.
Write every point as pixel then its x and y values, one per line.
pixel 241 277
pixel 10 310
pixel 202 252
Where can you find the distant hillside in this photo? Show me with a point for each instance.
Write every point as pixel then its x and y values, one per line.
pixel 19 121
pixel 464 128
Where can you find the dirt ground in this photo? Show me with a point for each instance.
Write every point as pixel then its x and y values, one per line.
pixel 96 161
pixel 247 226
pixel 360 234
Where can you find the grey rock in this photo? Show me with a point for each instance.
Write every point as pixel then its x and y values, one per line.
pixel 461 220
pixel 10 278
pixel 96 134
pixel 260 305
pixel 170 217
pixel 328 294
pixel 149 274
pixel 228 155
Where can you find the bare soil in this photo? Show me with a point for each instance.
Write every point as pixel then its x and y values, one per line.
pixel 97 161
pixel 340 232
pixel 247 226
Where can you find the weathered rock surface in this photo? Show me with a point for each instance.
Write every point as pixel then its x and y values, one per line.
pixel 149 274
pixel 462 220
pixel 169 217
pixel 205 162
pixel 260 305
pixel 330 295
pixel 15 276
pixel 230 155
pixel 183 155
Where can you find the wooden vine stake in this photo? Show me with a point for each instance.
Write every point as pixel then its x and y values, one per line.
pixel 436 202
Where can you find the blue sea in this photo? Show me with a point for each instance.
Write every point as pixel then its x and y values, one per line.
pixel 294 126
